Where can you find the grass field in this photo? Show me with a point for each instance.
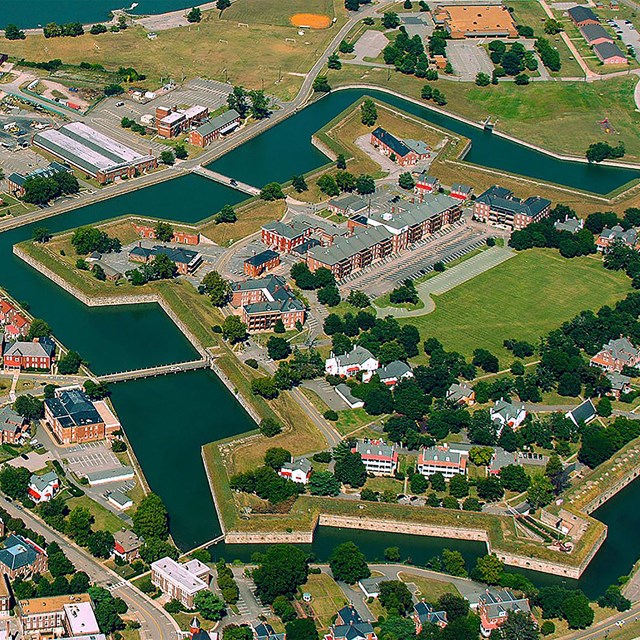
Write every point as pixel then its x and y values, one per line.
pixel 429 589
pixel 507 302
pixel 326 597
pixel 275 12
pixel 103 518
pixel 218 48
pixel 560 116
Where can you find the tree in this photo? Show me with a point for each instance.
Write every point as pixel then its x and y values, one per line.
pixel 540 492
pixel 519 626
pixel 155 549
pixel 238 99
pixel 221 5
pixel 276 457
pixel 490 568
pixel 614 599
pixel 455 606
pixel 471 504
pixel 79 582
pixel 233 329
pixel 38 329
pixel 107 609
pixel 341 163
pixel 100 544
pixel 419 484
pixel 70 363
pixel 368 112
pixel 299 183
pixel 210 606
pixel 395 597
pixel 217 288
pixel 604 408
pixel 365 184
pixel 272 191
pixel 265 387
pixel 390 20
pixel 599 151
pixel 321 84
pixel 270 427
pixel 302 628
pixel 226 215
pixel 39 190
pixel 97 29
pixel 458 486
pixel 29 407
pixel 490 489
pixel 59 564
pixel 12 32
pixel 483 79
pixel 195 15
pixel 14 481
pixel 552 26
pixel 260 105
pixel 282 569
pixel 328 185
pixel 577 612
pixel 323 483
pixel 351 470
pixel 278 348
pixel 392 554
pixel 397 628
pixel 348 564
pixel 78 525
pixel 358 299
pixel 329 295
pixel 41 234
pixel 163 231
pixel 437 481
pixel 406 181
pixel 333 62
pixel 514 478
pixel 167 157
pixel 151 519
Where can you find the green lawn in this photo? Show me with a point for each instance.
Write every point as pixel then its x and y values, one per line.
pixel 274 12
pixel 429 589
pixel 522 298
pixel 103 518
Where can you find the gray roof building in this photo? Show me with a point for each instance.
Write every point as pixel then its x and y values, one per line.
pixel 396 369
pixel 43 172
pixel 459 392
pixel 350 203
pixel 420 147
pixel 374 448
pixel 262 258
pixel 622 349
pixel 127 540
pixel 42 482
pixel 40 349
pixel 175 254
pixel 301 464
pixel 506 411
pixel 618 234
pixel 264 631
pixel 223 123
pixel 18 552
pixel 397 146
pixel 10 420
pixel 344 248
pixel 594 32
pixel 607 50
pixel 352 627
pixel 498 596
pixel 72 407
pixel 572 225
pixel 344 391
pixel 357 356
pixel 426 614
pixel 583 413
pixel 289 230
pixel 618 381
pixel 580 13
pixel 502 200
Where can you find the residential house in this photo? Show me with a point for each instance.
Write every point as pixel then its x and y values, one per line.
pixel 196 632
pixel 405 153
pixel 21 557
pixel 6 311
pixel 216 128
pixel 582 15
pixel 494 605
pixel 441 458
pixel 17 181
pixel 595 34
pixel 171 121
pixel 264 631
pixel 584 413
pixel 182 237
pixel 616 355
pixel 391 373
pixel 350 626
pixel 461 191
pixel 180 581
pixel 29 355
pixel 424 613
pixel 498 206
pixel 347 205
pixel 264 301
pixel 13 426
pixel 126 545
pixel 43 488
pixel 617 235
pixel 502 458
pixel 609 53
pixel 344 391
pixel 461 394
pixel 58 616
pixel 426 184
pixel 17 327
pixel 257 264
pixel 572 225
pixel 371 586
pixel 74 418
pixel 186 260
pixel 379 458
pixel 620 384
pixel 507 413
pixel 297 470
pixel 349 364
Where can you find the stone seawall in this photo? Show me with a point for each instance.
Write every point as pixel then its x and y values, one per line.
pixel 321 146
pixel 114 301
pixel 238 396
pixel 609 493
pixel 254 537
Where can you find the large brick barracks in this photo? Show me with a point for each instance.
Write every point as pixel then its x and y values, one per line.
pixel 389 227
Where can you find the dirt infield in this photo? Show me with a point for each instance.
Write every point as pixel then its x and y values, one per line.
pixel 310 20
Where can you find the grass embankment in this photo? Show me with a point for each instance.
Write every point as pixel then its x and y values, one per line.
pixel 508 302
pixel 428 588
pixel 217 47
pixel 559 116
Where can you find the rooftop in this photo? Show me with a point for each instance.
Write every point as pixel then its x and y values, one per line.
pixel 262 257
pixel 72 407
pixel 375 448
pixel 34 606
pixel 180 574
pixel 580 13
pixel 606 50
pixel 395 144
pixel 81 618
pixel 219 122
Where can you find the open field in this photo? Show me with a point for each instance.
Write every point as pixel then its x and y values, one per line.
pixel 216 48
pixel 103 518
pixel 505 302
pixel 326 597
pixel 428 589
pixel 275 12
pixel 560 116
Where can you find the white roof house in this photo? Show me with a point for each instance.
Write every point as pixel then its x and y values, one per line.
pixel 392 373
pixel 298 471
pixel 507 413
pixel 43 488
pixel 348 364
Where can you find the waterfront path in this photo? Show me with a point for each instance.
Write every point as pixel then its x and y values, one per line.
pixel 156 623
pixel 450 279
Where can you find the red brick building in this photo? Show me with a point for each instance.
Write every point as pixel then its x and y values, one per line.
pixel 12 426
pixel 258 264
pixel 426 184
pixel 29 355
pixel 616 355
pixel 22 557
pixel 498 206
pixel 406 153
pixel 182 237
pixel 171 121
pixel 216 128
pixel 284 237
pixel 186 260
pixel 461 191
pixel 581 15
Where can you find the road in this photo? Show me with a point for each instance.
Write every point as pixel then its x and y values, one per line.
pixel 156 623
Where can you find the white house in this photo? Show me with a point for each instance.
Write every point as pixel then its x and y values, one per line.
pixel 380 458
pixel 299 471
pixel 43 488
pixel 391 374
pixel 348 364
pixel 507 413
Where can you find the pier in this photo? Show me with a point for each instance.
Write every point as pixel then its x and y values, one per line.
pixel 226 180
pixel 162 370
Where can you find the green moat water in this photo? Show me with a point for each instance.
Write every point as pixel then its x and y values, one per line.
pixel 169 418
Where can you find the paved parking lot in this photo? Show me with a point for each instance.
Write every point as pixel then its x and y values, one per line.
pixel 468 59
pixel 629 35
pixel 417 24
pixel 34 461
pixel 370 45
pixel 90 457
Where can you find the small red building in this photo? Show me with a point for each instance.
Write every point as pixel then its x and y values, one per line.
pixel 183 237
pixel 426 184
pixel 171 121
pixel 285 237
pixel 461 191
pixel 404 153
pixel 258 264
pixel 216 128
pixel 29 355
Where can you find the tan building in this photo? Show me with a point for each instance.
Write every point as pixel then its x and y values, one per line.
pixel 478 21
pixel 57 616
pixel 180 581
